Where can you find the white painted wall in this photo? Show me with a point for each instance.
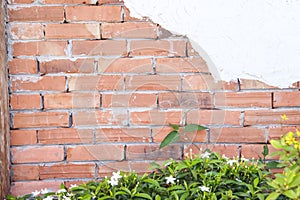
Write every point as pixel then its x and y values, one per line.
pixel 253 39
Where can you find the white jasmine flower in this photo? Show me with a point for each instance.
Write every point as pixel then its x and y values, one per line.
pixel 238 180
pixel 230 162
pixel 113 181
pixel 116 175
pixel 35 193
pixel 44 191
pixel 206 154
pixel 73 185
pixel 66 198
pixel 61 191
pixel 49 198
pixel 204 188
pixel 170 179
pixel 224 156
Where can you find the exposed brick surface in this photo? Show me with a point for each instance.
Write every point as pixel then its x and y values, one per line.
pixel 25 101
pixel 67 66
pixel 44 48
pixel 129 100
pixel 25 172
pixel 59 31
pixel 286 99
pixel 23 137
pixel 27 31
pixel 22 66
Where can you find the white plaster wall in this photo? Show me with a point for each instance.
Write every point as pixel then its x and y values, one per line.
pixel 253 39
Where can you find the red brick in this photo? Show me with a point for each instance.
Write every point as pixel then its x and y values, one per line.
pixel 152 152
pixel 20 1
pixel 244 99
pixel 200 82
pixel 250 151
pixel 66 31
pixel 67 66
pixel 153 82
pixel 67 171
pixel 191 51
pixel 95 152
pixel 26 31
pixel 232 85
pixel 155 117
pixel 129 30
pixel 254 117
pixel 108 168
pixel 37 154
pixel 101 82
pixel 127 16
pixel 157 48
pixel 27 187
pixel 238 135
pixel 72 100
pixel 123 135
pixel 125 65
pixel 276 132
pixel 22 66
pixel 100 2
pixel 223 149
pixel 68 1
pixel 37 14
pixel 100 48
pixel 38 83
pixel 185 100
pixel 65 136
pixel 97 117
pixel 159 133
pixel 40 119
pixel 214 117
pixel 23 137
pixel 180 65
pixel 25 101
pixel 93 13
pixel 254 84
pixel 286 99
pixel 129 100
pixel 25 172
pixel 40 48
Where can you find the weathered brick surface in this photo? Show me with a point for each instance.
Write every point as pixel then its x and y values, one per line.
pixel 93 90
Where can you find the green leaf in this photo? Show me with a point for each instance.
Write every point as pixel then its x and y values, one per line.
pixel 255 182
pixel 273 196
pixel 276 144
pixel 272 165
pixel 193 127
pixel 265 151
pixel 157 197
pixel 169 139
pixel 296 181
pixel 291 194
pixel 175 127
pixel 153 182
pixel 143 195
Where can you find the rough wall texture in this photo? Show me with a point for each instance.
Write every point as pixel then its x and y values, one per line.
pixel 4 111
pixel 93 90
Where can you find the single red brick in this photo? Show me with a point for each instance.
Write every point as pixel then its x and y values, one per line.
pixel 200 82
pixel 25 101
pixel 36 14
pixel 38 83
pixel 96 117
pixel 40 119
pixel 26 187
pixel 244 99
pixel 26 31
pixel 95 152
pixel 129 100
pixel 156 48
pixel 220 117
pixel 254 117
pixel 23 137
pixel 68 1
pixel 100 48
pixel 125 65
pixel 85 65
pixel 93 13
pixel 67 171
pixel 276 132
pixel 65 136
pixel 40 48
pixel 129 30
pixel 152 152
pixel 153 82
pixel 156 117
pixel 22 66
pixel 238 135
pixel 185 100
pixel 123 135
pixel 228 150
pixel 25 172
pixel 100 82
pixel 254 84
pixel 159 133
pixel 66 31
pixel 37 154
pixel 286 99
pixel 72 100
pixel 178 47
pixel 175 65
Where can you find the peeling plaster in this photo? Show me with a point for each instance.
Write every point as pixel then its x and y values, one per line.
pixel 251 39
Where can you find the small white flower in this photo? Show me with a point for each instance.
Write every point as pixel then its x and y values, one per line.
pixel 49 198
pixel 116 175
pixel 170 179
pixel 204 188
pixel 206 154
pixel 73 185
pixel 224 156
pixel 113 181
pixel 61 191
pixel 230 162
pixel 238 180
pixel 35 193
pixel 44 191
pixel 66 198
pixel 244 159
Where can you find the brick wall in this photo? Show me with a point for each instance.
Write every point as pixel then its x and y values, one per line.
pixel 93 90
